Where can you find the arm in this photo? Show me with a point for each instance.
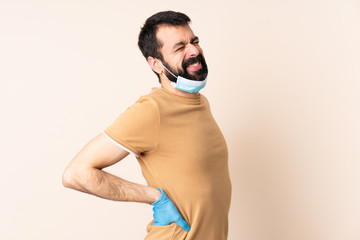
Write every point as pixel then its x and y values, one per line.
pixel 84 173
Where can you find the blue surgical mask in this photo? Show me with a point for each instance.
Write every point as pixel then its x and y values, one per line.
pixel 185 84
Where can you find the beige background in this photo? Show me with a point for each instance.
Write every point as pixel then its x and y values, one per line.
pixel 283 85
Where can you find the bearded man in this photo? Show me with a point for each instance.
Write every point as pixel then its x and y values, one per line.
pixel 172 133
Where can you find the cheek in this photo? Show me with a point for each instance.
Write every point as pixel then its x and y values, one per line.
pixel 179 60
pixel 201 51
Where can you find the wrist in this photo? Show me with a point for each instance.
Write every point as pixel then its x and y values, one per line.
pixel 156 195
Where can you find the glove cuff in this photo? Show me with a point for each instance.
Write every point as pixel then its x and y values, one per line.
pixel 158 202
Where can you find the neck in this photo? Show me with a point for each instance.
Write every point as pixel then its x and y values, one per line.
pixel 166 84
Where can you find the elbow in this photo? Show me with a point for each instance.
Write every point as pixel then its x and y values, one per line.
pixel 68 178
pixel 76 177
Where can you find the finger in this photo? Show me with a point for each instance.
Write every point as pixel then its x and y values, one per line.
pixel 183 224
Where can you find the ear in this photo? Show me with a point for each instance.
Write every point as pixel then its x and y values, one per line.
pixel 155 65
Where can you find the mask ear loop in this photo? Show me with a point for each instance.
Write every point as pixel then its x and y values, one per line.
pixel 166 77
pixel 166 69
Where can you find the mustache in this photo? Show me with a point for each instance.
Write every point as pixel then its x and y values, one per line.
pixel 189 61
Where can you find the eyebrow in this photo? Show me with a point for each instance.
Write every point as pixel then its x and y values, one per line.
pixel 184 43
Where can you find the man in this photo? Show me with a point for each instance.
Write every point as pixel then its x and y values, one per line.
pixel 171 131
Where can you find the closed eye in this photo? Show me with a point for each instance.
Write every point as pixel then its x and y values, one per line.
pixel 180 48
pixel 195 41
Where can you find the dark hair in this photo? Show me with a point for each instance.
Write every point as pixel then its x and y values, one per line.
pixel 147 42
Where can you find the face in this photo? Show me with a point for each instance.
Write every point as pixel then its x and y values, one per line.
pixel 181 52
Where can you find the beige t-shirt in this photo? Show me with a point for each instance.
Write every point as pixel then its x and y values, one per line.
pixel 180 149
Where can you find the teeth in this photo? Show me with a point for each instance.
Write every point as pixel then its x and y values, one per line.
pixel 194 64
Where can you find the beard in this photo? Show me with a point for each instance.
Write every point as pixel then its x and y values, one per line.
pixel 199 75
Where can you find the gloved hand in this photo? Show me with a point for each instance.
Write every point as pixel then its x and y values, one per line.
pixel 165 212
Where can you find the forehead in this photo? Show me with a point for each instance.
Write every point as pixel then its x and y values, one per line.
pixel 170 35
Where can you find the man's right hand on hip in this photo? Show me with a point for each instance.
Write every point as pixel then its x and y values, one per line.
pixel 165 212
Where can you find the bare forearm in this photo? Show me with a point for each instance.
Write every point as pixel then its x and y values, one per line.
pixel 105 185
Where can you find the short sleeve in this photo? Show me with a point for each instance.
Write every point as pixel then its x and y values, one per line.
pixel 137 128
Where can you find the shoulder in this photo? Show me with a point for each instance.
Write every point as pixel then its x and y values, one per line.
pixel 204 100
pixel 151 98
pixel 148 101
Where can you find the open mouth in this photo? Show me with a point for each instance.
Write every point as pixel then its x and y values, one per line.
pixel 194 67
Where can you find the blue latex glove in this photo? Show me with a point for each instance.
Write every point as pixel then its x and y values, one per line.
pixel 165 212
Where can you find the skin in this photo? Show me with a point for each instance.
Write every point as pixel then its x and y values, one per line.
pixel 179 43
pixel 85 172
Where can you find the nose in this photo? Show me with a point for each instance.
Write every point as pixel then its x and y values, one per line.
pixel 193 51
